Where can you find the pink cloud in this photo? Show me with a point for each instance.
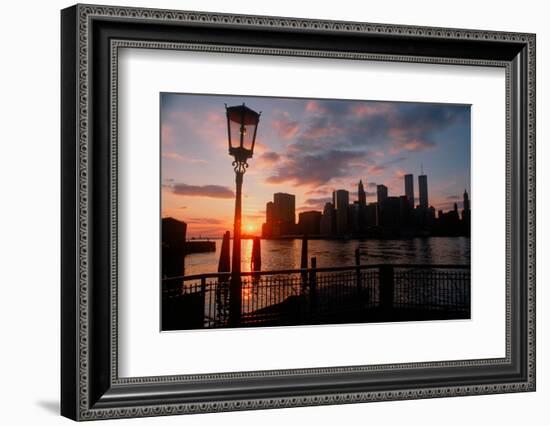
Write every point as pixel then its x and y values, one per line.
pixel 314 133
pixel 259 148
pixel 377 170
pixel 318 191
pixel 407 140
pixel 286 129
pixel 417 145
pixel 362 110
pixel 277 112
pixel 208 191
pixel 269 157
pixel 210 126
pixel 175 156
pixel 399 173
pixel 215 118
pixel 313 106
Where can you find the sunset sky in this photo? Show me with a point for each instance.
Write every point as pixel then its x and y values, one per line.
pixel 306 147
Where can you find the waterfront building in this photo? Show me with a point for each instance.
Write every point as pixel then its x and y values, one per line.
pixel 390 212
pixel 281 215
pixel 173 233
pixel 381 194
pixel 361 194
pixel 341 204
pixel 423 191
pixel 309 223
pixel 409 189
pixel 466 213
pixel 371 216
pixel 362 207
pixel 328 220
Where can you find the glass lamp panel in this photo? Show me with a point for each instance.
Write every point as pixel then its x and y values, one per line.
pixel 235 129
pixel 248 135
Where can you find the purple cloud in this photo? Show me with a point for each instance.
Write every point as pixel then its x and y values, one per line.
pixel 336 137
pixel 209 191
pixel 270 157
pixel 316 168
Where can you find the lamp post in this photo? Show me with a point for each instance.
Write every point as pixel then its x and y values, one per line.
pixel 242 124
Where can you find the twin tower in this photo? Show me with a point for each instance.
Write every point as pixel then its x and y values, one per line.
pixel 422 190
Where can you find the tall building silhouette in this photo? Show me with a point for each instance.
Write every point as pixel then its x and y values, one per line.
pixel 270 219
pixel 361 195
pixel 381 193
pixel 280 215
pixel 270 212
pixel 309 223
pixel 328 220
pixel 388 216
pixel 381 198
pixel 423 191
pixel 389 212
pixel 173 233
pixel 285 207
pixel 409 189
pixel 360 222
pixel 466 217
pixel 341 203
pixel 466 205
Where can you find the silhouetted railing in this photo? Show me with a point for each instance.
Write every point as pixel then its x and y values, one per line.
pixel 361 293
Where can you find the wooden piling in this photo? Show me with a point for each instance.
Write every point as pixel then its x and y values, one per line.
pixel 303 261
pixel 224 264
pixel 256 260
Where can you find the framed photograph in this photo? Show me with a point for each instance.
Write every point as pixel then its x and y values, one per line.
pixel 263 212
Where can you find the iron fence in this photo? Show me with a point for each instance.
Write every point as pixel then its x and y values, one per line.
pixel 361 293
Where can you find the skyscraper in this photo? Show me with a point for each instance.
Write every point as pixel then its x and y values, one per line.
pixel 423 191
pixel 409 189
pixel 309 223
pixel 466 214
pixel 341 203
pixel 466 205
pixel 381 193
pixel 270 212
pixel 285 207
pixel 328 220
pixel 361 195
pixel 284 213
pixel 341 199
pixel 270 219
pixel 361 219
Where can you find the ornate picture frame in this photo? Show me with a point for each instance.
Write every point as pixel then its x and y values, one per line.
pixel 91 38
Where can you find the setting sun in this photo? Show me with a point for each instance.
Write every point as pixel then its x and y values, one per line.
pixel 249 228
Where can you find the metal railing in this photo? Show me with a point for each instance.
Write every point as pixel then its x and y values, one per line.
pixel 360 293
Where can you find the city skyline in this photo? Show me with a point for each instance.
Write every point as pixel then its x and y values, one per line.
pixel 338 143
pixel 391 215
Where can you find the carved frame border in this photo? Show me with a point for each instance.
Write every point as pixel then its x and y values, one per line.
pixel 85 14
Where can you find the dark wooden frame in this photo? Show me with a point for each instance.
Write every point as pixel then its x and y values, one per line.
pixel 90 386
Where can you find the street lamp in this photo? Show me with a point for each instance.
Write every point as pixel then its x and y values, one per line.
pixel 242 123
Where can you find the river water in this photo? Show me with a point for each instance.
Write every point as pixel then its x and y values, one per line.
pixel 286 254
